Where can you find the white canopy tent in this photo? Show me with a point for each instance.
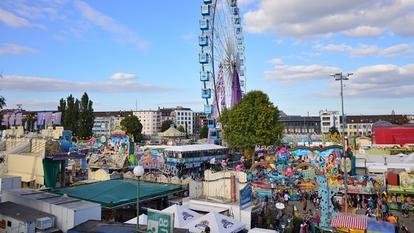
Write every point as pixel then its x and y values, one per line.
pixel 182 215
pixel 143 219
pixel 217 223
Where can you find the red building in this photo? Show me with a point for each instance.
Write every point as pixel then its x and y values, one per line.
pixel 393 134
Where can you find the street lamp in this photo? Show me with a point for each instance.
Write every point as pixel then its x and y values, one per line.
pixel 138 172
pixel 340 77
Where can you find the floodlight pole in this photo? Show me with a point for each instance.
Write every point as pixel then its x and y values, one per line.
pixel 340 77
pixel 137 230
pixel 138 172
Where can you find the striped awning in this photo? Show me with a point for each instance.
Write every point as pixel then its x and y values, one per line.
pixel 350 222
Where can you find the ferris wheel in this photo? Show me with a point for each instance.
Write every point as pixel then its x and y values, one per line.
pixel 222 59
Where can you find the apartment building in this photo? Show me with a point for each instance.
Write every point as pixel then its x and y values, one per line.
pixel 329 119
pixel 301 124
pixel 184 117
pixel 106 122
pixel 362 125
pixel 150 120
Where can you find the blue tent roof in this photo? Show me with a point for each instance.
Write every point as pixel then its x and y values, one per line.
pixel 380 227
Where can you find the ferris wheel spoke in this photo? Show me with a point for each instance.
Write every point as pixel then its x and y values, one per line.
pixel 224 54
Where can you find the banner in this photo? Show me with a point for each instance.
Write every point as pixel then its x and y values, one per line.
pixel 160 222
pixel 246 196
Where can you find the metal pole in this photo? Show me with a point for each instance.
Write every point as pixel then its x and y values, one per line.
pixel 340 77
pixel 137 228
pixel 343 139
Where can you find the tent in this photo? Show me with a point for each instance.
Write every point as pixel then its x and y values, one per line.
pixel 217 223
pixel 380 227
pixel 182 215
pixel 143 219
pixel 354 223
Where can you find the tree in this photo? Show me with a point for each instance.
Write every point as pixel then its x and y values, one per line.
pixel 166 125
pixel 62 108
pixel 254 121
pixel 77 115
pixel 2 104
pixel 133 127
pixel 28 121
pixel 86 117
pixel 181 128
pixel 70 120
pixel 204 132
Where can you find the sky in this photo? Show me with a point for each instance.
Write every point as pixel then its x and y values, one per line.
pixel 144 54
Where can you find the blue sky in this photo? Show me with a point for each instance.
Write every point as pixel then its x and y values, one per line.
pixel 146 52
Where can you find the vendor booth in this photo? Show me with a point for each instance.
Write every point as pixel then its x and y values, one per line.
pixel 349 224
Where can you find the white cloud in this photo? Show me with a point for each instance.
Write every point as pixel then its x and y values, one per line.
pixel 106 23
pixel 364 31
pixel 123 77
pixel 384 80
pixel 367 50
pixel 33 104
pixel 354 18
pixel 377 81
pixel 292 74
pixel 15 49
pixel 12 20
pixel 43 84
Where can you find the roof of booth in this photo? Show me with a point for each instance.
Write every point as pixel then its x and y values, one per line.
pixel 172 132
pixel 112 193
pixel 195 147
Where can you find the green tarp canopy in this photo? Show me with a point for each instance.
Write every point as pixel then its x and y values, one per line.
pixel 113 193
pixel 51 171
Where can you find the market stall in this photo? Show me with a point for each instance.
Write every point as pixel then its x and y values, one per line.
pixel 400 190
pixel 349 224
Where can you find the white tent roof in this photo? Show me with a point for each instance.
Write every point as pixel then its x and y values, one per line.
pixel 182 215
pixel 261 230
pixel 172 132
pixel 195 147
pixel 143 219
pixel 217 223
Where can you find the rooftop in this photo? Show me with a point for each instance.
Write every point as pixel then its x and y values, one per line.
pixel 51 198
pixel 113 193
pixel 94 226
pixel 195 147
pixel 113 113
pixel 21 212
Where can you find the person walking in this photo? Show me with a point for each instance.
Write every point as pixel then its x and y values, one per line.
pixel 304 203
pixel 286 197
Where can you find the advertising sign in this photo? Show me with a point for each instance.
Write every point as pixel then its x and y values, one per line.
pixel 160 222
pixel 246 196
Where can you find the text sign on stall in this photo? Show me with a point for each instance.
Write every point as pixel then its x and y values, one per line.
pixel 160 222
pixel 246 196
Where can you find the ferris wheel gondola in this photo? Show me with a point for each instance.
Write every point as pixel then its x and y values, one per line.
pixel 222 60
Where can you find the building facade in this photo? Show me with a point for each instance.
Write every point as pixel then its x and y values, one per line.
pixel 362 125
pixel 199 121
pixel 150 120
pixel 106 122
pixel 391 134
pixel 301 124
pixel 329 119
pixel 184 117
